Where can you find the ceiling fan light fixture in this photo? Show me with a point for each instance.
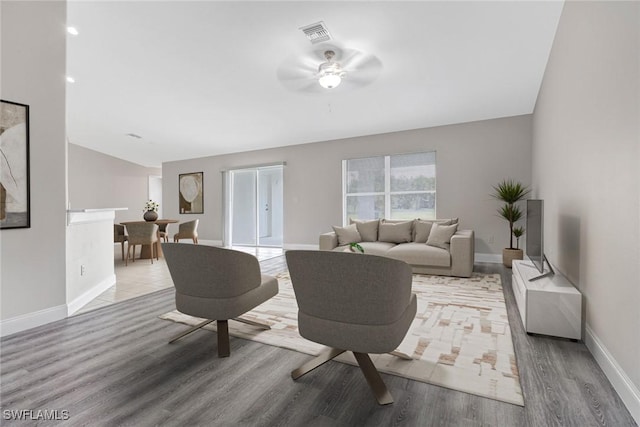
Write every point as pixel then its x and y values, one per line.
pixel 329 81
pixel 330 73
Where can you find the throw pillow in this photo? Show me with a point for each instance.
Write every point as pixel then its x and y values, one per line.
pixel 368 229
pixel 440 235
pixel 422 228
pixel 399 232
pixel 348 234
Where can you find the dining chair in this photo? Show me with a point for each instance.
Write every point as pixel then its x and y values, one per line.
pixel 187 230
pixel 164 231
pixel 119 236
pixel 352 302
pixel 142 234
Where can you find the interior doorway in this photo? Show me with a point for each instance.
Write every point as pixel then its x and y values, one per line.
pixel 255 206
pixel 155 191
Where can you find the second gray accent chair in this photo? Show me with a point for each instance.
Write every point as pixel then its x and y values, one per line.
pixel 218 285
pixel 352 302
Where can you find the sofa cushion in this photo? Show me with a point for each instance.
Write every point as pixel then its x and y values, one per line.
pixel 422 228
pixel 371 248
pixel 348 234
pixel 368 229
pixel 440 235
pixel 396 232
pixel 420 254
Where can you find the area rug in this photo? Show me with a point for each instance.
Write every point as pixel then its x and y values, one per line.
pixel 460 338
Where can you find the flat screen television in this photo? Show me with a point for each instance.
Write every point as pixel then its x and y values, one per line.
pixel 535 237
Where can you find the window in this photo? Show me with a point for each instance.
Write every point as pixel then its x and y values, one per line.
pixel 401 186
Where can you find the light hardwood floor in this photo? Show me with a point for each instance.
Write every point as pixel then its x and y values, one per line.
pixel 112 366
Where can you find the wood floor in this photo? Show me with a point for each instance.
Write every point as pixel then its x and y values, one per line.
pixel 112 366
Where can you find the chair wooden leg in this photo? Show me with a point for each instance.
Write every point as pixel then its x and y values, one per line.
pixel 122 246
pixel 188 331
pixel 126 260
pixel 374 379
pixel 312 364
pixel 224 347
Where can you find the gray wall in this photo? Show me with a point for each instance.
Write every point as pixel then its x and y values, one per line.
pixel 97 180
pixel 33 68
pixel 471 157
pixel 586 164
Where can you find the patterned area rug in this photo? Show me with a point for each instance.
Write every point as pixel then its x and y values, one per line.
pixel 460 338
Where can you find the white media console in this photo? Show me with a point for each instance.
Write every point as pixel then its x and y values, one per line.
pixel 550 305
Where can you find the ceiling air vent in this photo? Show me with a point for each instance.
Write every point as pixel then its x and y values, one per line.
pixel 317 32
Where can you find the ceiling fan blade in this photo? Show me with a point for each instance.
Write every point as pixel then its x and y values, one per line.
pixel 299 72
pixel 362 62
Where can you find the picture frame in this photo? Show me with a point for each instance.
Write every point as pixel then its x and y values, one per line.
pixel 190 193
pixel 15 191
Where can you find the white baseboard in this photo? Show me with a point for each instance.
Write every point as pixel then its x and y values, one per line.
pixel 494 258
pixel 89 295
pixel 628 392
pixel 300 246
pixel 32 320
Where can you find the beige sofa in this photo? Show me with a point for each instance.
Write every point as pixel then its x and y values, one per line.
pixel 446 251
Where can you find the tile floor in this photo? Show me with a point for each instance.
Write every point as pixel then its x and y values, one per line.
pixel 141 277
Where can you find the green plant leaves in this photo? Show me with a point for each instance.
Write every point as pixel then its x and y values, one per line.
pixel 518 232
pixel 511 213
pixel 356 247
pixel 510 191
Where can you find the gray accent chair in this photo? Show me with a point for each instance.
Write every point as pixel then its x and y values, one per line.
pixel 187 230
pixel 142 234
pixel 352 302
pixel 217 284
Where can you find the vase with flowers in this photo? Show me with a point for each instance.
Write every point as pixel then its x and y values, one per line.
pixel 150 211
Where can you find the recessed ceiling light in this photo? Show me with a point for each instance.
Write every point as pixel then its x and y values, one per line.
pixel 72 30
pixel 70 79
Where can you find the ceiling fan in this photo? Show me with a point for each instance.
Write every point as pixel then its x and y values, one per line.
pixel 328 67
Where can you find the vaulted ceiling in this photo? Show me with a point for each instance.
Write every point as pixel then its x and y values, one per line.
pixel 192 79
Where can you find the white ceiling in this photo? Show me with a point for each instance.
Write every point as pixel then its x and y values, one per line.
pixel 201 78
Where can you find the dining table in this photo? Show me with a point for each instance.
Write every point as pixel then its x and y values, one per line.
pixel 145 251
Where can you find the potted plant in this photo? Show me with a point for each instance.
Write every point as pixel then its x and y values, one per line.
pixel 510 192
pixel 151 211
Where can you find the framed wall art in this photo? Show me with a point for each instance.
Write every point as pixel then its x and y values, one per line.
pixel 15 210
pixel 190 189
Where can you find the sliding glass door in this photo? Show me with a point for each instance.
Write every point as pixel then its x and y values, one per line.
pixel 256 206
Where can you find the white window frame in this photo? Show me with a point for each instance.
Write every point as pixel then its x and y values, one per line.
pixel 387 186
